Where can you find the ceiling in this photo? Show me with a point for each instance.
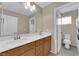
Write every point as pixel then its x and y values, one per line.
pixel 19 8
pixel 43 4
pixel 69 7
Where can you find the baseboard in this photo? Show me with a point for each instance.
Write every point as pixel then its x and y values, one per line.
pixel 54 52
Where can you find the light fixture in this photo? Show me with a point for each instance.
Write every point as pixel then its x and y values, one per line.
pixel 29 6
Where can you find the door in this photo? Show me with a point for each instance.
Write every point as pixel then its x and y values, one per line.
pixel 32 25
pixel 58 31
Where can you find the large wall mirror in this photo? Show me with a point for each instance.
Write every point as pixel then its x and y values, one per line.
pixel 14 19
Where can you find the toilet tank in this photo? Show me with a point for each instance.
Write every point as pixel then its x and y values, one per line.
pixel 67 36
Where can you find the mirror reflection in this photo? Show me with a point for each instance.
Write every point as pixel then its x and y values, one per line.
pixel 19 18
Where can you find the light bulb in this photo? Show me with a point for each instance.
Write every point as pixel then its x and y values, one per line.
pixel 28 4
pixel 25 5
pixel 33 8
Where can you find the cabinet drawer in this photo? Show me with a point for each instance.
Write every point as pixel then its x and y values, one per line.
pixel 39 42
pixel 28 46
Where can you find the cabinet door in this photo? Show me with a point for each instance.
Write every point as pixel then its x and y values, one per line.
pixel 30 52
pixel 27 47
pixel 47 47
pixel 39 50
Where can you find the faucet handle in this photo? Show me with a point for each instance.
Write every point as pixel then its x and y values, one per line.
pixel 19 36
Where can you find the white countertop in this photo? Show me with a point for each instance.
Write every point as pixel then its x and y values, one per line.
pixel 7 44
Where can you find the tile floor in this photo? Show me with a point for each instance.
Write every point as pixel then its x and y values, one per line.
pixel 67 52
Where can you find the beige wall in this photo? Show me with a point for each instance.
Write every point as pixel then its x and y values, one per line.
pixel 22 20
pixel 48 19
pixel 48 16
pixel 71 28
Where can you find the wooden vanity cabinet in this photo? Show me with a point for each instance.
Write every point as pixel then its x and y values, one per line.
pixel 40 47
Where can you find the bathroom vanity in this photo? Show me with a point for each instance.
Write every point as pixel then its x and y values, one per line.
pixel 33 46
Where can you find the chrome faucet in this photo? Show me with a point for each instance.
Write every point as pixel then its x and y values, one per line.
pixel 16 36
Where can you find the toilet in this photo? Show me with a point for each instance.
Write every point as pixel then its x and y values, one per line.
pixel 67 41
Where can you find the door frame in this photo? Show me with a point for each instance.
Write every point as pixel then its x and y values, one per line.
pixel 32 18
pixel 73 6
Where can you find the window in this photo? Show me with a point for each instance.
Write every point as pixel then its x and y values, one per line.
pixel 64 20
